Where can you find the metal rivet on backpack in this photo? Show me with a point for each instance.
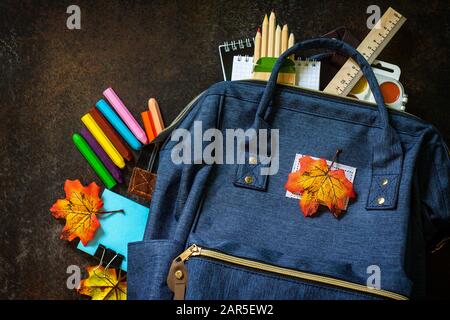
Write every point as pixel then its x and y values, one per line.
pixel 252 160
pixel 384 182
pixel 179 274
pixel 248 179
pixel 380 200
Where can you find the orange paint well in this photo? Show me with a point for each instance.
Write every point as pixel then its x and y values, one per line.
pixel 390 91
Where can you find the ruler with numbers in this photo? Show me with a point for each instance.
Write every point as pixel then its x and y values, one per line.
pixel 370 48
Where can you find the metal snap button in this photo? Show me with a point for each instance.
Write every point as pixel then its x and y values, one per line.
pixel 179 274
pixel 384 182
pixel 248 179
pixel 252 160
pixel 381 200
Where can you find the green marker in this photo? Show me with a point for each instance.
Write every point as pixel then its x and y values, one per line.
pixel 93 160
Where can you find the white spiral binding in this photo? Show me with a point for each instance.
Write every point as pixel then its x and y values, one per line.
pixel 307 61
pixel 246 57
pixel 239 44
pixel 225 45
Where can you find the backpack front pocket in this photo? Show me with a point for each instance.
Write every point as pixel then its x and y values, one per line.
pixel 215 275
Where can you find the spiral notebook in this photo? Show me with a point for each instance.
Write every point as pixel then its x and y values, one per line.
pixel 228 50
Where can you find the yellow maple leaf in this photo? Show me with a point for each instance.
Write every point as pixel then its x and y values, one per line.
pixel 319 185
pixel 101 285
pixel 80 209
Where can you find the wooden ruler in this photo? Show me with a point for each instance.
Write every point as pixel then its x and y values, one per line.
pixel 370 48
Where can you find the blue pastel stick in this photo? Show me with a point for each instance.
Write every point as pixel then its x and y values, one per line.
pixel 118 124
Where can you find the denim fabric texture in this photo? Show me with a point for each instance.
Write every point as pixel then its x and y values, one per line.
pixel 203 204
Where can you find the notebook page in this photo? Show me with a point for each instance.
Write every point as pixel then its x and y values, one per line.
pixel 307 74
pixel 242 68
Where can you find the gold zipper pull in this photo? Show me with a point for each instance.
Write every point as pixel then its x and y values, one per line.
pixel 178 275
pixel 191 251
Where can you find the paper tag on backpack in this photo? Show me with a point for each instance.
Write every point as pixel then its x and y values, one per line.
pixel 350 173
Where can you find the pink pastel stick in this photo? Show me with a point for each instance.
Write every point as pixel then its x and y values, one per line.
pixel 125 114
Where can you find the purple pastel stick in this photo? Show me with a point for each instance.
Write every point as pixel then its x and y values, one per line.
pixel 101 154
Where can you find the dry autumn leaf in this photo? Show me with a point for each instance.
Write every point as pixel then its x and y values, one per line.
pixel 319 185
pixel 80 209
pixel 104 285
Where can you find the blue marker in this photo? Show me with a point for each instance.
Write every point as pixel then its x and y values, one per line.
pixel 118 124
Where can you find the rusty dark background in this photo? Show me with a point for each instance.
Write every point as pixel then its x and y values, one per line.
pixel 50 76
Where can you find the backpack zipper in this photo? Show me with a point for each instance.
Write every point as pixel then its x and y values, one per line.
pixel 177 278
pixel 318 93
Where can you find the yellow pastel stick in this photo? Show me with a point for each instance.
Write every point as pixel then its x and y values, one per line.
pixel 103 140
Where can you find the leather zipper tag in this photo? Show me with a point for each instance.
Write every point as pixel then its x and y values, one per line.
pixel 177 279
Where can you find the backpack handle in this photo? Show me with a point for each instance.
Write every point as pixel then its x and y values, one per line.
pixel 335 45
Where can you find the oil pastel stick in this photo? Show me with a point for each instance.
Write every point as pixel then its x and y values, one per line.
pixel 155 113
pixel 103 140
pixel 93 161
pixel 125 114
pixel 118 124
pixel 112 134
pixel 101 154
pixel 146 119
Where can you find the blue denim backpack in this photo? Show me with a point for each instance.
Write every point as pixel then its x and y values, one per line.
pixel 225 231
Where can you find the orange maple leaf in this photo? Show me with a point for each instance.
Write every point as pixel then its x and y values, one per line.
pixel 103 285
pixel 319 185
pixel 80 209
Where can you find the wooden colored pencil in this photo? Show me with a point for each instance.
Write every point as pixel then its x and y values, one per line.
pixel 291 43
pixel 284 38
pixel 257 52
pixel 277 45
pixel 271 41
pixel 264 33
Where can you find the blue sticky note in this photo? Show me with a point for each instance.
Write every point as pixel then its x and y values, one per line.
pixel 118 229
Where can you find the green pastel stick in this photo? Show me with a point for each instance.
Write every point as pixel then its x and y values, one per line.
pixel 94 161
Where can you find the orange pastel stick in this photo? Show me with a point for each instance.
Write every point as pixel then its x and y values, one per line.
pixel 156 115
pixel 146 119
pixel 155 133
